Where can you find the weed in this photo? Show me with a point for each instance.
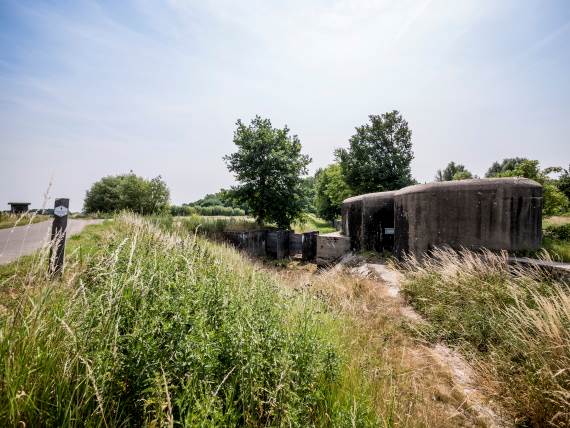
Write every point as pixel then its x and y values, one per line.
pixel 514 321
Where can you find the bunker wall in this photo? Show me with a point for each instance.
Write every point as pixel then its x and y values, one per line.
pixel 378 221
pixel 499 214
pixel 351 211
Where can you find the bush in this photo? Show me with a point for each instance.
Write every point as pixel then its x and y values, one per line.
pixel 216 210
pixel 560 232
pixel 162 330
pixel 127 192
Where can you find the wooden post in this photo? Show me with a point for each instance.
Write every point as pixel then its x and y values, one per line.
pixel 58 230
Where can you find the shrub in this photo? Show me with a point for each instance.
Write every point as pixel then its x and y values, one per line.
pixel 127 192
pixel 560 232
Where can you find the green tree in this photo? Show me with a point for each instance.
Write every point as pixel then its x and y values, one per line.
pixel 331 190
pixel 379 156
pixel 554 201
pixel 453 171
pixel 506 165
pixel 309 190
pixel 563 182
pixel 127 192
pixel 269 166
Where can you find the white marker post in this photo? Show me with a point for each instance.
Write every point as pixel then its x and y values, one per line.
pixel 58 230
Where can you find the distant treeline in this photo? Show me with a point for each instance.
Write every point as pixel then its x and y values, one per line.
pixel 183 210
pixel 209 205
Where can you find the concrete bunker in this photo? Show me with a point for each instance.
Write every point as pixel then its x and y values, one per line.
pixel 369 221
pixel 497 214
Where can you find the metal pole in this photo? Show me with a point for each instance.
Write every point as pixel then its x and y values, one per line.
pixel 58 230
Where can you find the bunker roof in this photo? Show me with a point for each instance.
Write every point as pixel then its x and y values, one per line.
pixel 470 184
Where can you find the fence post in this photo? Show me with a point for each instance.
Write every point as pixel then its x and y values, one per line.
pixel 58 230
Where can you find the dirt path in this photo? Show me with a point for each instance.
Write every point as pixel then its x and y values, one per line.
pixel 462 373
pixel 23 240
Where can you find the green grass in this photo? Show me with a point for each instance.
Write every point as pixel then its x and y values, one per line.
pixel 513 323
pixel 11 220
pixel 150 328
pixel 27 269
pixel 311 223
pixel 556 238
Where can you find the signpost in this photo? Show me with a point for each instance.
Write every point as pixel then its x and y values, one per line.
pixel 58 230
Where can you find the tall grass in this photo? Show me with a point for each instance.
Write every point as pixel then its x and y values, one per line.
pixel 556 238
pixel 514 322
pixel 160 330
pixel 8 220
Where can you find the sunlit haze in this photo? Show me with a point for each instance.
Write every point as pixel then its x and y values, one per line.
pixel 92 88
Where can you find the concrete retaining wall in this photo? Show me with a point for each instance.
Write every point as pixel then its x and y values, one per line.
pixel 252 242
pixel 277 244
pixel 331 248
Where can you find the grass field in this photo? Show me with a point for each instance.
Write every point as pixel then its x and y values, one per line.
pixel 514 324
pixel 313 223
pixel 11 220
pixel 151 328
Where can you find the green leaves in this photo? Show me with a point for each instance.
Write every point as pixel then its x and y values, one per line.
pixel 268 165
pixel 453 171
pixel 554 202
pixel 379 155
pixel 331 190
pixel 127 192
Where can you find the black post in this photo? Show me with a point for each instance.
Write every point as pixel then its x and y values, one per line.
pixel 58 229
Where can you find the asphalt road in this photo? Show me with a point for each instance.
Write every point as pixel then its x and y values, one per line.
pixel 23 240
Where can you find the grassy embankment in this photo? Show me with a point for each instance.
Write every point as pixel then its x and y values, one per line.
pixel 11 220
pixel 152 328
pixel 513 324
pixel 556 239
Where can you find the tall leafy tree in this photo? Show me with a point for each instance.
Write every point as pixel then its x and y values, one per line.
pixel 331 190
pixel 127 192
pixel 453 171
pixel 379 155
pixel 554 202
pixel 506 165
pixel 269 166
pixel 563 182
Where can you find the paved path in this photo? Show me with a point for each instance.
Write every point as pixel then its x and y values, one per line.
pixel 22 240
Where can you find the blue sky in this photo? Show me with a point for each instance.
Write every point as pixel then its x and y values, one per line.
pixel 91 88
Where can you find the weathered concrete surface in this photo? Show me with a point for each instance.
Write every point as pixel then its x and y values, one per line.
pixel 309 250
pixel 252 242
pixel 369 221
pixel 499 213
pixel 331 247
pixel 295 243
pixel 277 244
pixel 378 221
pixel 557 269
pixel 24 240
pixel 351 211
